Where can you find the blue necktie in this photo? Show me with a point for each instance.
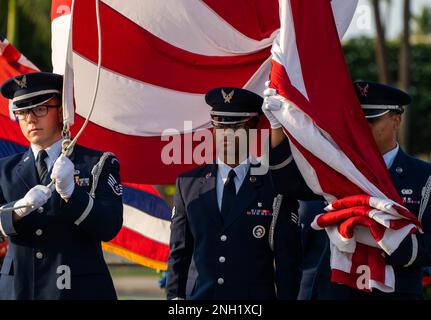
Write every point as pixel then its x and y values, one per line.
pixel 229 194
pixel 42 168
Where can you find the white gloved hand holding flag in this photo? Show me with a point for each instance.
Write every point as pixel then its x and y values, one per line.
pixel 270 103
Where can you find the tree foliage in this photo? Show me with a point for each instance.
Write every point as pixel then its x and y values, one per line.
pixel 33 30
pixel 360 57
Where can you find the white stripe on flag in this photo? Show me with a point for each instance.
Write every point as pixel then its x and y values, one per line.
pixel 60 27
pixel 146 225
pixel 127 118
pixel 314 139
pixel 198 28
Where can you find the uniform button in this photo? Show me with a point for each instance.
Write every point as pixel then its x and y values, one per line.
pixel 40 210
pixel 399 170
pixel 220 281
pixel 223 238
pixel 39 255
pixel 39 232
pixel 221 259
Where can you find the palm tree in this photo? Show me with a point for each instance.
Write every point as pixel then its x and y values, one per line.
pixel 404 72
pixel 11 21
pixel 423 22
pixel 28 28
pixel 381 50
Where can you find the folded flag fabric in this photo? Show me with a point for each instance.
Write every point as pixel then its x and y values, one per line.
pixel 372 223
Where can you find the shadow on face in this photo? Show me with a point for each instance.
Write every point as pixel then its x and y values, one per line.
pixel 384 130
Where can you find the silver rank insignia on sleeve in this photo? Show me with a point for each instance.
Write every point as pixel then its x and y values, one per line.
pixel 295 218
pixel 115 186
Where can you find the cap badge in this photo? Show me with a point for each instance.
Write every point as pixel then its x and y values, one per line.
pixel 227 96
pixel 21 83
pixel 364 90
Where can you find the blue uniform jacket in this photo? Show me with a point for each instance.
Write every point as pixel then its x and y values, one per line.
pixel 62 235
pixel 232 258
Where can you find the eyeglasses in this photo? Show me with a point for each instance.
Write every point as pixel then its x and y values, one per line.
pixel 38 112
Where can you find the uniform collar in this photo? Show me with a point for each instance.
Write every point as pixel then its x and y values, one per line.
pixel 389 156
pixel 53 150
pixel 240 170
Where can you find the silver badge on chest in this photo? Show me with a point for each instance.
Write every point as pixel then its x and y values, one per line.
pixel 259 231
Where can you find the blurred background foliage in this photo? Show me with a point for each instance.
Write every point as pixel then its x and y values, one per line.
pixel 27 25
pixel 360 57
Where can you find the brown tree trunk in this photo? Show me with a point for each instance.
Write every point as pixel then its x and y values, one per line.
pixel 381 51
pixel 404 73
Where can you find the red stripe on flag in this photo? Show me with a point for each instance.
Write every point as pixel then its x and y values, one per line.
pixel 159 62
pixel 10 65
pixel 141 245
pixel 341 186
pixel 331 181
pixel 375 261
pixel 60 7
pixel 257 19
pixel 139 156
pixel 10 131
pixel 326 76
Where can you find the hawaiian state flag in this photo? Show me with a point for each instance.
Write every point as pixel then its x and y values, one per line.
pixel 331 141
pixel 12 63
pixel 144 237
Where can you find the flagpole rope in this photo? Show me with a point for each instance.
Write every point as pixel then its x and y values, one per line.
pixel 70 146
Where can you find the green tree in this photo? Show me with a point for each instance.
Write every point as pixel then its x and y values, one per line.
pixel 360 57
pixel 27 25
pixel 423 22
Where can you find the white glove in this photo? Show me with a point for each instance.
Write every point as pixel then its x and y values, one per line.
pixel 270 103
pixel 62 174
pixel 34 199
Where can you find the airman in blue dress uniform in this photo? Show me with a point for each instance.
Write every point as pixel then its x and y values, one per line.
pixel 55 234
pixel 241 235
pixel 383 106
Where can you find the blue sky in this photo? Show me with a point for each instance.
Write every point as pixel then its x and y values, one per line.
pixel 363 21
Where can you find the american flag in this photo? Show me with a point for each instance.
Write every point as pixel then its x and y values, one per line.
pixel 159 58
